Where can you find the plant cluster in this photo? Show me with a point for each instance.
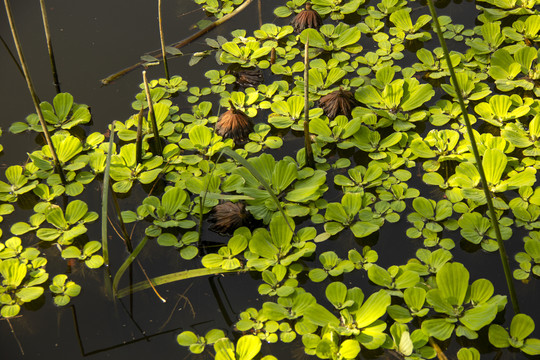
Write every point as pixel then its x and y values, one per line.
pixel 403 122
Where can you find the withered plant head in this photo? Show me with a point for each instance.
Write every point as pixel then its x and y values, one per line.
pixel 234 124
pixel 339 102
pixel 307 18
pixel 248 78
pixel 228 216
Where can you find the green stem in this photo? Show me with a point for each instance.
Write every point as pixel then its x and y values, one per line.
pixel 492 215
pixel 138 140
pixel 12 56
pixel 35 100
pixel 151 117
pixel 105 201
pixel 259 8
pixel 49 46
pixel 310 161
pixel 126 264
pixel 162 39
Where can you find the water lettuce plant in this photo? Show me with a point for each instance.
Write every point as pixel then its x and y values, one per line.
pixel 23 271
pixel 64 290
pixel 521 327
pixel 62 114
pixel 448 299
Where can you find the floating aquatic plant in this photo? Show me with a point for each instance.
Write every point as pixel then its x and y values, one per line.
pixel 506 67
pixel 355 149
pixel 226 257
pixel 449 298
pixel 247 54
pixel 125 170
pixel 521 327
pixel 63 290
pixel 196 343
pixel 170 212
pixel 529 260
pixel 409 345
pixel 430 219
pixel 62 114
pixel 332 266
pixel 19 184
pixel 22 273
pixel 88 255
pixel 395 100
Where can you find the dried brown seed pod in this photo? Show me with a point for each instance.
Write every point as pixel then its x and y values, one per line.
pixel 229 216
pixel 307 18
pixel 234 124
pixel 339 102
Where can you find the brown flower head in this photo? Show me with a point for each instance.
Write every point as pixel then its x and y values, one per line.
pixel 229 216
pixel 248 78
pixel 234 124
pixel 307 18
pixel 339 102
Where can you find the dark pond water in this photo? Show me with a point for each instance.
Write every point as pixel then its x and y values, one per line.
pixel 91 40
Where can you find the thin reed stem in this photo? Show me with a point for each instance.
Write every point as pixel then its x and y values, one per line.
pixel 162 38
pixel 49 46
pixel 105 201
pixel 310 161
pixel 259 8
pixel 487 193
pixel 15 336
pixel 12 56
pixel 138 140
pixel 151 117
pixel 33 94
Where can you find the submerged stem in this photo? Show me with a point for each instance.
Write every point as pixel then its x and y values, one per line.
pixel 12 55
pixel 138 140
pixel 492 215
